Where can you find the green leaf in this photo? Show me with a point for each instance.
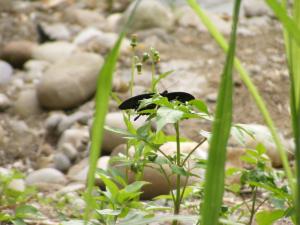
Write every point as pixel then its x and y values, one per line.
pixel 110 186
pixel 180 170
pixel 269 217
pixel 104 86
pixel 25 210
pixel 18 222
pixel 109 212
pixel 166 116
pixel 200 105
pixel 135 186
pixel 215 173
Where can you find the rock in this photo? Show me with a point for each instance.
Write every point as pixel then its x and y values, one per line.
pixel 6 72
pixel 54 51
pixel 17 185
pixel 91 39
pixel 53 121
pixel 18 52
pixel 158 184
pixel 6 5
pixel 110 139
pixel 58 31
pixel 35 69
pixel 261 135
pixel 145 17
pixel 70 82
pixel 76 137
pixel 120 85
pixel 2 135
pixel 256 8
pixel 79 172
pixel 73 187
pixel 5 103
pixel 69 150
pixel 212 97
pixel 70 120
pixel 27 103
pixel 46 175
pixel 112 22
pixel 188 18
pixel 84 17
pixel 61 162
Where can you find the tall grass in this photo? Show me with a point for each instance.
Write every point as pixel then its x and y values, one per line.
pixel 292 42
pixel 251 87
pixel 104 85
pixel 215 173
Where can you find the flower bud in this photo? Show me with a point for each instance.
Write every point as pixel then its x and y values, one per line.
pixel 139 67
pixel 134 41
pixel 146 56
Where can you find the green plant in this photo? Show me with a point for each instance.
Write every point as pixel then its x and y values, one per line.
pixel 215 175
pixel 104 84
pixel 264 185
pixel 14 206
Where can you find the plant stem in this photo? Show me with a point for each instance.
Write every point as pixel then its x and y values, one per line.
pixel 152 77
pixel 254 191
pixel 132 73
pixel 178 183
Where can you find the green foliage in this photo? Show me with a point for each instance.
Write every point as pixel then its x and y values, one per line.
pixel 214 186
pixel 14 206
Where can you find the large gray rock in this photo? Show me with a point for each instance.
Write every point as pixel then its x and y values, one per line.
pixel 54 51
pixel 70 82
pixel 46 175
pixel 149 14
pixel 6 72
pixel 158 183
pixel 17 52
pixel 261 135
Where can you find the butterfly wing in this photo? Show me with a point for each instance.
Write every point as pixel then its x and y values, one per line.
pixel 134 102
pixel 179 96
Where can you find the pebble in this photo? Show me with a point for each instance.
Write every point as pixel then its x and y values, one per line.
pixel 17 185
pixel 18 52
pixel 54 51
pixel 94 40
pixel 69 150
pixel 5 103
pixel 6 72
pixel 84 17
pixel 61 162
pixel 58 31
pixel 46 175
pixel 27 103
pixel 53 121
pixel 70 120
pixel 111 139
pixel 69 82
pixel 255 8
pixel 145 18
pixel 77 137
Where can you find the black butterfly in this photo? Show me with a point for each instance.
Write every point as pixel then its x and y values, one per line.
pixel 134 102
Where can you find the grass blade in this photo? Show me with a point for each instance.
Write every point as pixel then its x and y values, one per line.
pixel 215 173
pixel 251 87
pixel 104 85
pixel 292 44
